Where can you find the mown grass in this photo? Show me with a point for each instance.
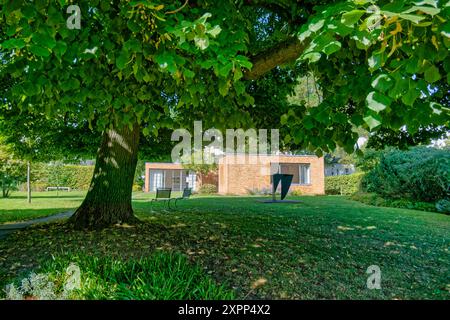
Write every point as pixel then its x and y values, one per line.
pixel 16 208
pixel 317 249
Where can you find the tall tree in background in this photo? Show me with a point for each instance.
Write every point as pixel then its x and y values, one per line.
pixel 140 66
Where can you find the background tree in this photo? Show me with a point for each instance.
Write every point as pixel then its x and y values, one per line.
pixel 11 170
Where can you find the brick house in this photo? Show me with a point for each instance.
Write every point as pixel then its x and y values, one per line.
pixel 241 174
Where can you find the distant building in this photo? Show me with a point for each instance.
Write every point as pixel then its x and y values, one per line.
pixel 239 174
pixel 338 169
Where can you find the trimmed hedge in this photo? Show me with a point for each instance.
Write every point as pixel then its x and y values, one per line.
pixel 76 177
pixel 344 185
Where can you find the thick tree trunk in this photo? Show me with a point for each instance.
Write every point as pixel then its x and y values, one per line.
pixel 108 200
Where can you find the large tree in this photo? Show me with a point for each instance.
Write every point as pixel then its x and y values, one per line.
pixel 142 66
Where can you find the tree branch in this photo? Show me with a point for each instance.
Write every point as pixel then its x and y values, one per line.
pixel 284 52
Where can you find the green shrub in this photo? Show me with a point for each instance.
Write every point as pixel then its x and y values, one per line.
pixel 207 189
pixel 296 192
pixel 345 184
pixel 419 174
pixel 161 276
pixel 137 187
pixel 443 206
pixel 375 200
pixel 76 177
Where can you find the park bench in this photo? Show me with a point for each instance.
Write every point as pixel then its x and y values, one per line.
pixel 187 192
pixel 58 188
pixel 163 194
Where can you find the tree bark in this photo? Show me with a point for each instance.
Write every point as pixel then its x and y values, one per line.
pixel 28 182
pixel 284 52
pixel 108 200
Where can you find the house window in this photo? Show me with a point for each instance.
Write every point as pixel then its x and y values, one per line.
pixel 300 173
pixel 305 173
pixel 156 179
pixel 192 180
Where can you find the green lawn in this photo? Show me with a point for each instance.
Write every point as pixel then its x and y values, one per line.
pixel 317 249
pixel 16 207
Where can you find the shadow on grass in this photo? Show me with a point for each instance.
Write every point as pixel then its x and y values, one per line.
pixel 20 215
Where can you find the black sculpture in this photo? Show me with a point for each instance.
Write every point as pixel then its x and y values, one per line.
pixel 286 180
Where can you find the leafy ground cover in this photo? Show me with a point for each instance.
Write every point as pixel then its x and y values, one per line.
pixel 318 249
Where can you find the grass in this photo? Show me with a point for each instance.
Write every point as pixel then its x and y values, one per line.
pixel 160 276
pixel 16 208
pixel 317 249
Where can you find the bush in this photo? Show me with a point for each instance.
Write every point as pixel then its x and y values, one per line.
pixel 207 189
pixel 161 276
pixel 137 187
pixel 419 174
pixel 296 193
pixel 345 184
pixel 375 200
pixel 443 206
pixel 76 177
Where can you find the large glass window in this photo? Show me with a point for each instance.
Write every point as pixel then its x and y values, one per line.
pixel 156 179
pixel 305 174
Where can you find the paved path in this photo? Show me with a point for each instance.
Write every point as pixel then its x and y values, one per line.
pixel 6 229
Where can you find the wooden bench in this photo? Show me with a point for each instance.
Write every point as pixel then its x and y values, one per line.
pixel 163 194
pixel 187 192
pixel 58 188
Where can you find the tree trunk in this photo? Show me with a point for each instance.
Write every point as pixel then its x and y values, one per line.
pixel 108 200
pixel 28 181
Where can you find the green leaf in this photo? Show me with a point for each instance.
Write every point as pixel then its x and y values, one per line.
pixel 225 70
pixel 13 44
pixel 351 17
pixel 375 61
pixel 411 96
pixel 312 57
pixel 70 84
pixel 133 45
pixel 133 26
pixel 44 40
pixel 188 73
pixel 428 10
pixel 412 17
pixel 122 60
pixel 224 86
pixel 314 27
pixel 239 87
pixel 214 31
pixel 372 121
pixel 332 47
pixel 432 74
pixel 377 101
pixel 39 51
pixel 60 49
pixel 30 88
pixel 382 83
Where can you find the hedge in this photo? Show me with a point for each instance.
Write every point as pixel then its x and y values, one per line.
pixel 77 177
pixel 419 174
pixel 344 184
